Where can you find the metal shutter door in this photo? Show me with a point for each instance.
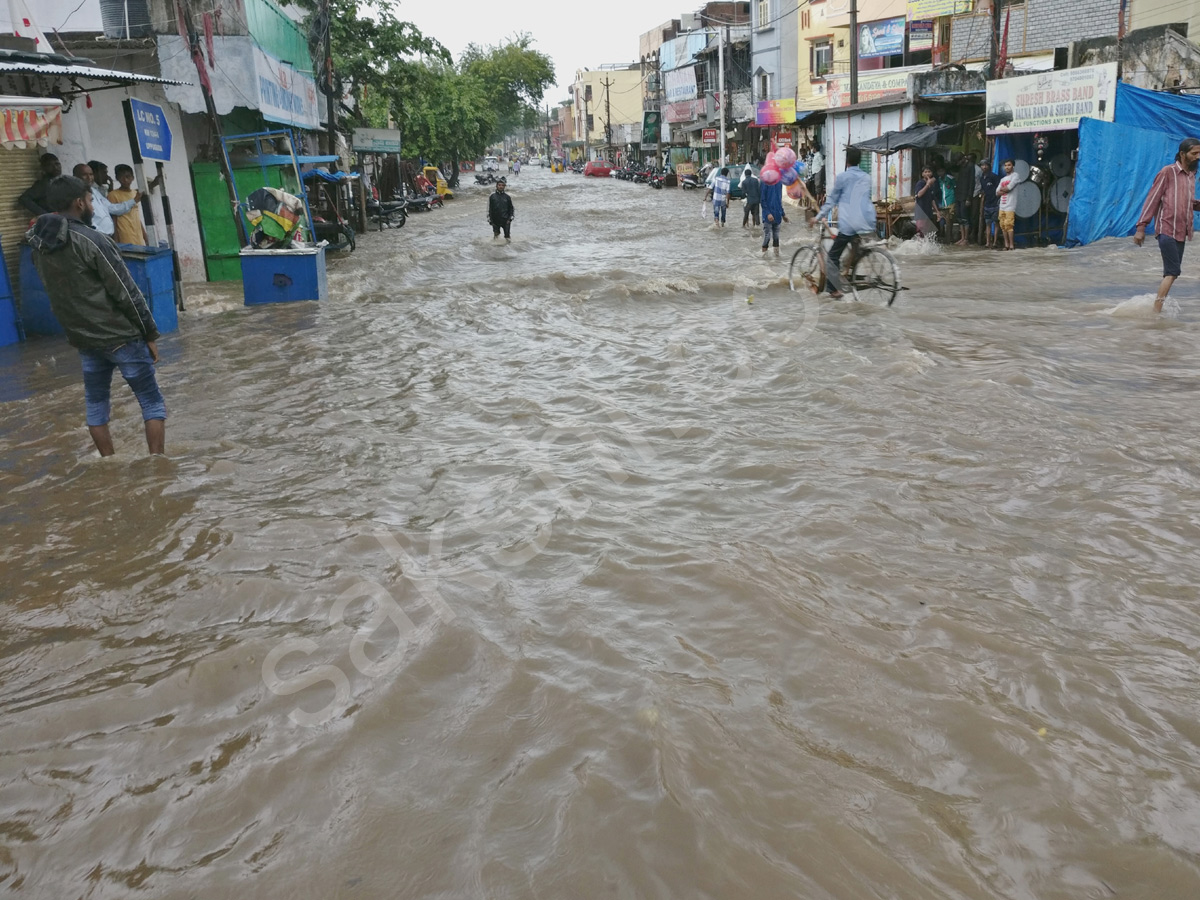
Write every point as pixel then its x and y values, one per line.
pixel 18 170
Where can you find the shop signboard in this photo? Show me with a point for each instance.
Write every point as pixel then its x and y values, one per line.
pixel 782 139
pixel 709 135
pixel 920 36
pixel 651 119
pixel 1051 101
pixel 680 84
pixel 934 9
pixel 884 38
pixel 775 112
pixel 880 85
pixel 376 140
pixel 685 168
pixel 285 94
pixel 153 132
pixel 683 111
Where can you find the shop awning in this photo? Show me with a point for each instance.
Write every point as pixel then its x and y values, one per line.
pixel 945 94
pixel 51 65
pixel 917 135
pixel 30 122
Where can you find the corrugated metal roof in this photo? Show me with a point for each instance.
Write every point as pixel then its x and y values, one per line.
pixel 9 67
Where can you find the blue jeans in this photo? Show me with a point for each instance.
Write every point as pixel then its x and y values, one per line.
pixel 770 232
pixel 719 211
pixel 137 368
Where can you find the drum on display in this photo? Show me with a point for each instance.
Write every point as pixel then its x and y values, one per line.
pixel 1060 194
pixel 1029 199
pixel 1060 165
pixel 1039 176
pixel 1021 168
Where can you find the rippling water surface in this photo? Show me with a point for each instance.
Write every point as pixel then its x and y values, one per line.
pixel 558 569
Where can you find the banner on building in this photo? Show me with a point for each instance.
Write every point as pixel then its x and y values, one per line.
pixel 285 94
pixel 933 9
pixel 709 135
pixel 884 38
pixel 880 85
pixel 684 111
pixel 775 112
pixel 782 138
pixel 651 122
pixel 1051 101
pixel 680 84
pixel 920 36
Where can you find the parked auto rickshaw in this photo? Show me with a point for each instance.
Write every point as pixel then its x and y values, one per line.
pixel 435 176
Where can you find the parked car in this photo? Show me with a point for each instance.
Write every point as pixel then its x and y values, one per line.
pixel 601 168
pixel 535 160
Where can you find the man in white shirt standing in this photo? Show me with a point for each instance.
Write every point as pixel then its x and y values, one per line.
pixel 1006 191
pixel 104 211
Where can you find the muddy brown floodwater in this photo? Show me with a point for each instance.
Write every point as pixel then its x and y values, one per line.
pixel 559 570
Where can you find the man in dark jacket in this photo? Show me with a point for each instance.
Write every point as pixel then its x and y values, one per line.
pixel 500 210
pixel 964 189
pixel 100 308
pixel 34 199
pixel 750 187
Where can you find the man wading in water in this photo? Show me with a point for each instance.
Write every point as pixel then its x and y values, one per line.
pixel 100 308
pixel 500 210
pixel 1171 202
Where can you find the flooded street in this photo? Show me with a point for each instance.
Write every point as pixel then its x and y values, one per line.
pixel 558 569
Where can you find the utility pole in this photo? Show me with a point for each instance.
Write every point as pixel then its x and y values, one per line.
pixel 853 52
pixel 193 38
pixel 1120 38
pixel 608 154
pixel 330 102
pixel 547 131
pixel 721 92
pixel 994 56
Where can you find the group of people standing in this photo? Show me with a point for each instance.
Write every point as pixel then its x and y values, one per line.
pixel 115 207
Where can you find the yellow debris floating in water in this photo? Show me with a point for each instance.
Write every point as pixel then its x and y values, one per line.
pixel 1041 732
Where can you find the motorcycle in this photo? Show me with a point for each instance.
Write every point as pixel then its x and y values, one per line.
pixel 485 178
pixel 388 213
pixel 424 203
pixel 339 234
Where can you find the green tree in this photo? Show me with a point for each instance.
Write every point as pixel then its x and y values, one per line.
pixel 514 77
pixel 447 118
pixel 376 58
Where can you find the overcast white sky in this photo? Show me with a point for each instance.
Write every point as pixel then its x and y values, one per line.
pixel 574 35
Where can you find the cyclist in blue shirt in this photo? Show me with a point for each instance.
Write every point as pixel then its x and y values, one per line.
pixel 851 195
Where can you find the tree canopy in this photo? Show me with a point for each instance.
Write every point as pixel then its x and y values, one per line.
pixel 398 75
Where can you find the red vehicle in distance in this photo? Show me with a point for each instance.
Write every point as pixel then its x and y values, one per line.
pixel 601 168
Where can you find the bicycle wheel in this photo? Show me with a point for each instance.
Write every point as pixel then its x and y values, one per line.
pixel 876 278
pixel 806 272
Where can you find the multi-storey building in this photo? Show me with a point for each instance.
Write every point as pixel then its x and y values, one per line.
pixel 607 103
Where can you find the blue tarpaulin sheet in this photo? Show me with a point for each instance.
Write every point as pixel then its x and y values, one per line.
pixel 1118 160
pixel 1117 165
pixel 1176 114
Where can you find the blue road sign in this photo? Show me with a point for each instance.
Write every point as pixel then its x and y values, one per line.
pixel 153 132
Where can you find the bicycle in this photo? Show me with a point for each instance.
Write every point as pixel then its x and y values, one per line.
pixel 868 270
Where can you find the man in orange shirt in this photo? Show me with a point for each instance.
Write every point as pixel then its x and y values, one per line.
pixel 1171 203
pixel 128 227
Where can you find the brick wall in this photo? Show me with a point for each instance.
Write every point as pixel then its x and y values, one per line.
pixel 1036 26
